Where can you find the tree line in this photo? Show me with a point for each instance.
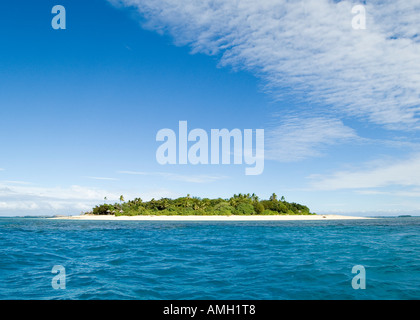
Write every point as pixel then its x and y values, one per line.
pixel 239 204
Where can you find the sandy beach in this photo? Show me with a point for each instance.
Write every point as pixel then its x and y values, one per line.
pixel 211 218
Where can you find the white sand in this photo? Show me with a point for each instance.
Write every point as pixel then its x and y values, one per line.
pixel 212 218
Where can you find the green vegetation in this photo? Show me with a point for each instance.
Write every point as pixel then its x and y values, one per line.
pixel 241 204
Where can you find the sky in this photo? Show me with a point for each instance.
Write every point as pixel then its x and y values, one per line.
pixel 80 107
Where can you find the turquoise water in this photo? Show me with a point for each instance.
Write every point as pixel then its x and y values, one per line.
pixel 209 260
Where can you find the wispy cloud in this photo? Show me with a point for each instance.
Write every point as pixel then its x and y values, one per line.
pixel 201 178
pixel 48 200
pixel 308 47
pixel 404 173
pixel 27 198
pixel 34 199
pixel 298 138
pixel 72 192
pixel 160 193
pixel 414 193
pixel 15 182
pixel 102 178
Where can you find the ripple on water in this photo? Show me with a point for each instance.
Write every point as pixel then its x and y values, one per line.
pixel 279 260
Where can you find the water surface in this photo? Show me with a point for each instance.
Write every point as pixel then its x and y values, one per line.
pixel 209 260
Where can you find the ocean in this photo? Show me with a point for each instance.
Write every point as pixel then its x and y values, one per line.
pixel 296 260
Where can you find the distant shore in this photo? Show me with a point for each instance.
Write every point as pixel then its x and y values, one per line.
pixel 211 218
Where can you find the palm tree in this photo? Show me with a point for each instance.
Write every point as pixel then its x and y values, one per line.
pixel 188 201
pixel 121 200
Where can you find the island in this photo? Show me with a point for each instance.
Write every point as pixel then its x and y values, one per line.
pixel 240 207
pixel 238 204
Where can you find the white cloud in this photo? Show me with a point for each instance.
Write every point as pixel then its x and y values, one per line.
pixel 15 182
pixel 102 178
pixel 379 175
pixel 159 193
pixel 309 48
pixel 24 198
pixel 298 138
pixel 200 178
pixel 414 193
pixel 27 198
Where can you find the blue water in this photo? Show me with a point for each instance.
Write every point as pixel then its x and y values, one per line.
pixel 209 260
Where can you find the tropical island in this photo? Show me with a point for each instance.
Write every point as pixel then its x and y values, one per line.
pixel 240 207
pixel 239 204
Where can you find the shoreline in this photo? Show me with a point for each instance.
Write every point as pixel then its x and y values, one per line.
pixel 211 218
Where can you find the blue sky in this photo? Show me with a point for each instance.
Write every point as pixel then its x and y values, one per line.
pixel 80 108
